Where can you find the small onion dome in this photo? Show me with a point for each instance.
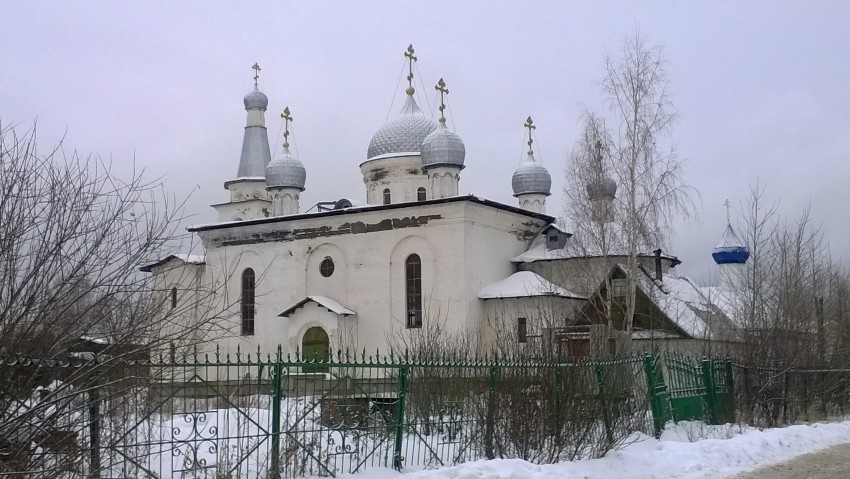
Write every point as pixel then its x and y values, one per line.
pixel 402 134
pixel 730 250
pixel 286 171
pixel 443 148
pixel 256 100
pixel 602 189
pixel 531 178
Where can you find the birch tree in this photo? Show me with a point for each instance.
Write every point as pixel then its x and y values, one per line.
pixel 637 152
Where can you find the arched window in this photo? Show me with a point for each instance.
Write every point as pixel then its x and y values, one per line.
pixel 387 197
pixel 420 194
pixel 248 285
pixel 413 287
pixel 173 298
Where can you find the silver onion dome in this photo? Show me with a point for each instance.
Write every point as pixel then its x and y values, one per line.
pixel 402 134
pixel 256 100
pixel 443 147
pixel 286 171
pixel 531 178
pixel 604 188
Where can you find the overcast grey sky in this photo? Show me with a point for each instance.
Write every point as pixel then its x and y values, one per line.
pixel 762 90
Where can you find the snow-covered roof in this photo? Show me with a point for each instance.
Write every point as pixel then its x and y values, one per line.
pixel 686 306
pixel 184 257
pixel 524 284
pixel 654 334
pixel 327 303
pixel 537 251
pixel 574 249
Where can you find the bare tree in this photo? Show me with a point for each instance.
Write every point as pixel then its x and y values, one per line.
pixel 632 148
pixel 73 235
pixel 649 174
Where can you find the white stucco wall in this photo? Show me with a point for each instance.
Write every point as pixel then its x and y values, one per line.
pixel 402 175
pixel 463 246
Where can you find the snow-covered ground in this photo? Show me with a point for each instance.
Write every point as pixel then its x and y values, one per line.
pixel 685 451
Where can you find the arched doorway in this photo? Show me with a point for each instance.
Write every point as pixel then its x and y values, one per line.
pixel 315 346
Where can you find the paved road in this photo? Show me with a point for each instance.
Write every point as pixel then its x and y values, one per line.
pixel 832 463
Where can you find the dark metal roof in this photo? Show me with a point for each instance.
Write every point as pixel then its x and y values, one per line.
pixel 362 209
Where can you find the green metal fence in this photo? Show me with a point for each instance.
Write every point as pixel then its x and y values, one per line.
pixel 274 416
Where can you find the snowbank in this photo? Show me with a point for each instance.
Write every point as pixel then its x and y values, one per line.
pixel 679 454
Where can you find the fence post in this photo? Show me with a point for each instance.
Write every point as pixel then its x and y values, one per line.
pixel 94 430
pixel 748 397
pixel 606 420
pixel 786 385
pixel 276 399
pixel 490 423
pixel 710 391
pixel 804 397
pixel 398 460
pixel 730 385
pixel 657 394
pixel 559 389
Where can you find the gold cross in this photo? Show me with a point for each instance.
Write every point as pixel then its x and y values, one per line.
pixel 286 119
pixel 441 87
pixel 256 68
pixel 410 58
pixel 599 149
pixel 529 123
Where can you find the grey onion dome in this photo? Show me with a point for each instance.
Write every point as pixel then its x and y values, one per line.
pixel 286 171
pixel 531 178
pixel 604 188
pixel 443 147
pixel 256 100
pixel 402 134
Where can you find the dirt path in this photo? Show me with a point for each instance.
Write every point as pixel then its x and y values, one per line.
pixel 832 463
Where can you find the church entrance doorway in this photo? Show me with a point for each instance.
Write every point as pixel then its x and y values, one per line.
pixel 316 346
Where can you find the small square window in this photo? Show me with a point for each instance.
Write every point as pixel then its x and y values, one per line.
pixel 619 287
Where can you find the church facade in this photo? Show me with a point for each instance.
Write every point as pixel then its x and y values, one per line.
pixel 367 276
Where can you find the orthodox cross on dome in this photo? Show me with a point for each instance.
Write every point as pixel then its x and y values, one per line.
pixel 410 59
pixel 529 123
pixel 600 148
pixel 256 68
pixel 728 207
pixel 287 117
pixel 441 87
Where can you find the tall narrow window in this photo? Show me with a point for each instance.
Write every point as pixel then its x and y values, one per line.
pixel 387 197
pixel 521 330
pixel 413 285
pixel 420 194
pixel 248 285
pixel 173 298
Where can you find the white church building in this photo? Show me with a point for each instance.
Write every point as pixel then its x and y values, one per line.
pixel 358 275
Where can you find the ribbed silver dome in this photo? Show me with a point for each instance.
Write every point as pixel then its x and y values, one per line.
pixel 531 178
pixel 443 148
pixel 256 100
pixel 402 134
pixel 603 189
pixel 286 171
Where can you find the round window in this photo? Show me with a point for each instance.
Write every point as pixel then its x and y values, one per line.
pixel 327 266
